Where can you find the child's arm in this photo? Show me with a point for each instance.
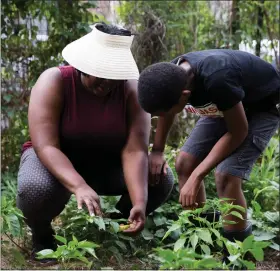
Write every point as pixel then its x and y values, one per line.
pixel 156 158
pixel 163 126
pixel 237 126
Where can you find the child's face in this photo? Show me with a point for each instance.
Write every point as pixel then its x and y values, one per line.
pixel 177 108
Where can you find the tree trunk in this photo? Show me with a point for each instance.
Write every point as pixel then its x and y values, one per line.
pixel 270 35
pixel 259 29
pixel 235 25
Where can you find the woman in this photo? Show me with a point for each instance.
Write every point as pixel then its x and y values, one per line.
pixel 89 136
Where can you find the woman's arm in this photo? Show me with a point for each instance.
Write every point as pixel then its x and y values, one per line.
pixel 44 114
pixel 135 153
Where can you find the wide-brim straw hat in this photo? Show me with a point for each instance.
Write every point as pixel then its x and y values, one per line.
pixel 102 55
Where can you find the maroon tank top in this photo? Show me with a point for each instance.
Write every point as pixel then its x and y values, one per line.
pixel 93 130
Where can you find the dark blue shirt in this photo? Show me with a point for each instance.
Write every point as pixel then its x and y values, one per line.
pixel 226 77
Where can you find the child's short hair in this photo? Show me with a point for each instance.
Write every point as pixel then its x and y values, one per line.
pixel 160 86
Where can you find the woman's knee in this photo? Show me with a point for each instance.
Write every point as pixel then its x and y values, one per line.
pixel 35 185
pixel 41 198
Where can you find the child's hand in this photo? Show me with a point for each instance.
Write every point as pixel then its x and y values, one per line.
pixel 189 192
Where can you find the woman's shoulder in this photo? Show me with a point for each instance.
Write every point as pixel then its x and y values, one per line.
pixel 59 73
pixel 52 74
pixel 130 87
pixel 67 71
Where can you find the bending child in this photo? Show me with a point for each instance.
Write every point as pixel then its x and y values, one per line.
pixel 235 93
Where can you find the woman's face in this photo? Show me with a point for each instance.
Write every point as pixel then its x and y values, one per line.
pixel 99 86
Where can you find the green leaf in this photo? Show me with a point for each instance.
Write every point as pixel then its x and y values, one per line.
pixel 115 226
pixel 263 235
pixel 206 249
pixel 174 227
pixel 257 253
pixel 234 213
pixel 248 264
pixel 75 254
pixel 184 263
pixel 121 245
pixel 159 233
pixel 82 259
pixel 61 249
pixel 72 244
pixel 159 220
pixel 179 244
pixel 233 258
pixel 229 222
pixel 159 210
pixel 75 240
pixel 125 237
pixel 204 235
pixel 218 235
pixel 194 240
pixel 7 97
pixel 256 206
pixel 147 235
pixel 46 253
pixel 275 246
pixel 167 254
pixel 272 216
pixel 220 243
pixel 14 225
pixel 90 251
pixel 261 244
pixel 87 244
pixel 100 223
pixel 208 263
pixel 248 243
pixel 61 239
pixel 240 208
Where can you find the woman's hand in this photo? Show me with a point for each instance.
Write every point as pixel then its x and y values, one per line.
pixel 137 219
pixel 157 164
pixel 86 195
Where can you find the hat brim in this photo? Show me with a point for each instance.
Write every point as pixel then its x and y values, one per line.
pixel 101 61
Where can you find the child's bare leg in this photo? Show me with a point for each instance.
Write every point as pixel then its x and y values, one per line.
pixel 185 165
pixel 231 187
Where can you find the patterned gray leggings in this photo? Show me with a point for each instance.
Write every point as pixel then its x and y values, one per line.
pixel 41 197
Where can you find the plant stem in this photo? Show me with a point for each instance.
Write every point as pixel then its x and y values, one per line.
pixel 23 249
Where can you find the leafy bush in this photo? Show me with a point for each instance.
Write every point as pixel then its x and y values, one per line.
pixel 185 259
pixel 72 250
pixel 11 218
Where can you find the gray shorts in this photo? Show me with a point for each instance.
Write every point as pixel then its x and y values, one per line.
pixel 262 126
